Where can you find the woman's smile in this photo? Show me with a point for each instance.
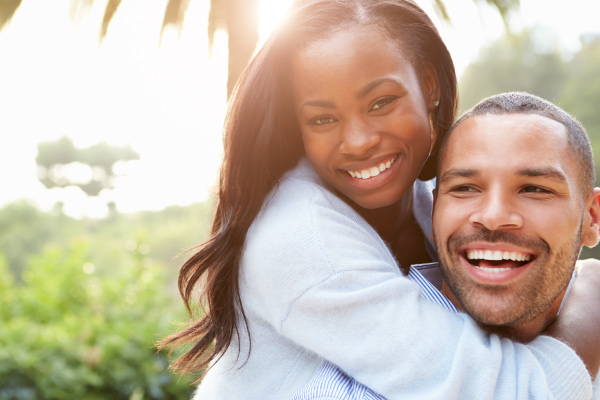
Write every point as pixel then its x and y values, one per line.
pixel 375 170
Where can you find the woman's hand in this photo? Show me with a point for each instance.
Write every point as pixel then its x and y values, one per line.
pixel 578 324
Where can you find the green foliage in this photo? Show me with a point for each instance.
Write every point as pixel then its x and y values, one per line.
pixel 24 230
pixel 163 236
pixel 69 332
pixel 83 302
pixel 581 95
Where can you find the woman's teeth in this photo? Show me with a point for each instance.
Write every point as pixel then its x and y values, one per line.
pixel 373 171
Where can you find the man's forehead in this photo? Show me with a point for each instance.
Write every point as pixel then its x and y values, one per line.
pixel 503 139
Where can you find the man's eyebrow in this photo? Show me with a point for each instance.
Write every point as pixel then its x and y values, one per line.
pixel 372 85
pixel 457 173
pixel 544 172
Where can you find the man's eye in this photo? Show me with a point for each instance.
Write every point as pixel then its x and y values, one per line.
pixel 382 102
pixel 535 189
pixel 463 189
pixel 321 120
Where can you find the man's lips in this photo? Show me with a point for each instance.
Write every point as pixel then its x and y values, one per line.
pixel 495 265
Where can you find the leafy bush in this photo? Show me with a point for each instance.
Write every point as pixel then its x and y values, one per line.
pixel 67 333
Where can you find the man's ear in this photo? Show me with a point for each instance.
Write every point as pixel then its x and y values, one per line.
pixel 591 220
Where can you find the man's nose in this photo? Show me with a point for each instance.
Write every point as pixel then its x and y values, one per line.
pixel 358 137
pixel 497 211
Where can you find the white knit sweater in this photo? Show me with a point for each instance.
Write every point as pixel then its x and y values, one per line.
pixel 317 283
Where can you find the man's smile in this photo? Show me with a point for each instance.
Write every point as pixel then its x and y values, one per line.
pixel 495 261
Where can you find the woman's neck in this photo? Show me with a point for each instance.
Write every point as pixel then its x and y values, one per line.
pixel 388 221
pixel 398 227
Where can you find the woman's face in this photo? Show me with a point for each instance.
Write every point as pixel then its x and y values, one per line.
pixel 364 114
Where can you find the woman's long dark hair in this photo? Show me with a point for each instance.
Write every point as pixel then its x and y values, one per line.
pixel 262 141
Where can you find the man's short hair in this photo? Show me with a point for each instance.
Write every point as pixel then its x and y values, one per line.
pixel 525 103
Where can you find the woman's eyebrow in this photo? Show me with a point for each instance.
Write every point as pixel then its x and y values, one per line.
pixel 362 93
pixel 372 85
pixel 317 103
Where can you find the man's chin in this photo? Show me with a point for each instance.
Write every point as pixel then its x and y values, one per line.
pixel 488 310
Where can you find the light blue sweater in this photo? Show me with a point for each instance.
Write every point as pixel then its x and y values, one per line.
pixel 317 283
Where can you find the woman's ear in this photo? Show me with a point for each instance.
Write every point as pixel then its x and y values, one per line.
pixel 431 95
pixel 591 219
pixel 430 87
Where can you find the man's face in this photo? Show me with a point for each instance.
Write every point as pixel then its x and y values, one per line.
pixel 509 216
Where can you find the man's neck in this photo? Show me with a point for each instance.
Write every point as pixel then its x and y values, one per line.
pixel 522 331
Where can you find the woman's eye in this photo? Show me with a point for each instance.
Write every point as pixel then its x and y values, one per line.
pixel 321 120
pixel 382 102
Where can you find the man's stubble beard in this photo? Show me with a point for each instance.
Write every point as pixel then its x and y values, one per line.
pixel 485 304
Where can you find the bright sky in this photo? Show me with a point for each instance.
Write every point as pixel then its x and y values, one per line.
pixel 166 99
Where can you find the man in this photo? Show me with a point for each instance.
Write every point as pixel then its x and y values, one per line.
pixel 515 202
pixel 514 205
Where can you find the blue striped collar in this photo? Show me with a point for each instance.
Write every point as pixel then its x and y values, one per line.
pixel 429 277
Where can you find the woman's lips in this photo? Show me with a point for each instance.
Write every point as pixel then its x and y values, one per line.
pixel 373 171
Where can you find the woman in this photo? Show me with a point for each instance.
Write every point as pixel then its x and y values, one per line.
pixel 318 207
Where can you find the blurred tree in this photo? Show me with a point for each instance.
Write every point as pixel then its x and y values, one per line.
pixel 24 231
pixel 581 94
pixel 240 18
pixel 162 235
pixel 514 62
pixel 61 164
pixel 581 97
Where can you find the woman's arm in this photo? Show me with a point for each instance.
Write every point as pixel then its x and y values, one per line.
pixel 322 278
pixel 578 324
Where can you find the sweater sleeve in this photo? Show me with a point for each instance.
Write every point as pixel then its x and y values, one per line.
pixel 326 281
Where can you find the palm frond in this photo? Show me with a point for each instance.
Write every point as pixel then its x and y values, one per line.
pixel 217 18
pixel 8 8
pixel 440 8
pixel 109 12
pixel 504 7
pixel 175 14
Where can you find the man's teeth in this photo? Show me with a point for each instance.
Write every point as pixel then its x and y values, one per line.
pixel 373 171
pixel 496 255
pixel 493 269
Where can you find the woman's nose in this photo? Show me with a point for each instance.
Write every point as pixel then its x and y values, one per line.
pixel 358 138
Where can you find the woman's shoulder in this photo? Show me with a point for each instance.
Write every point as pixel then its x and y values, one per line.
pixel 304 221
pixel 302 202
